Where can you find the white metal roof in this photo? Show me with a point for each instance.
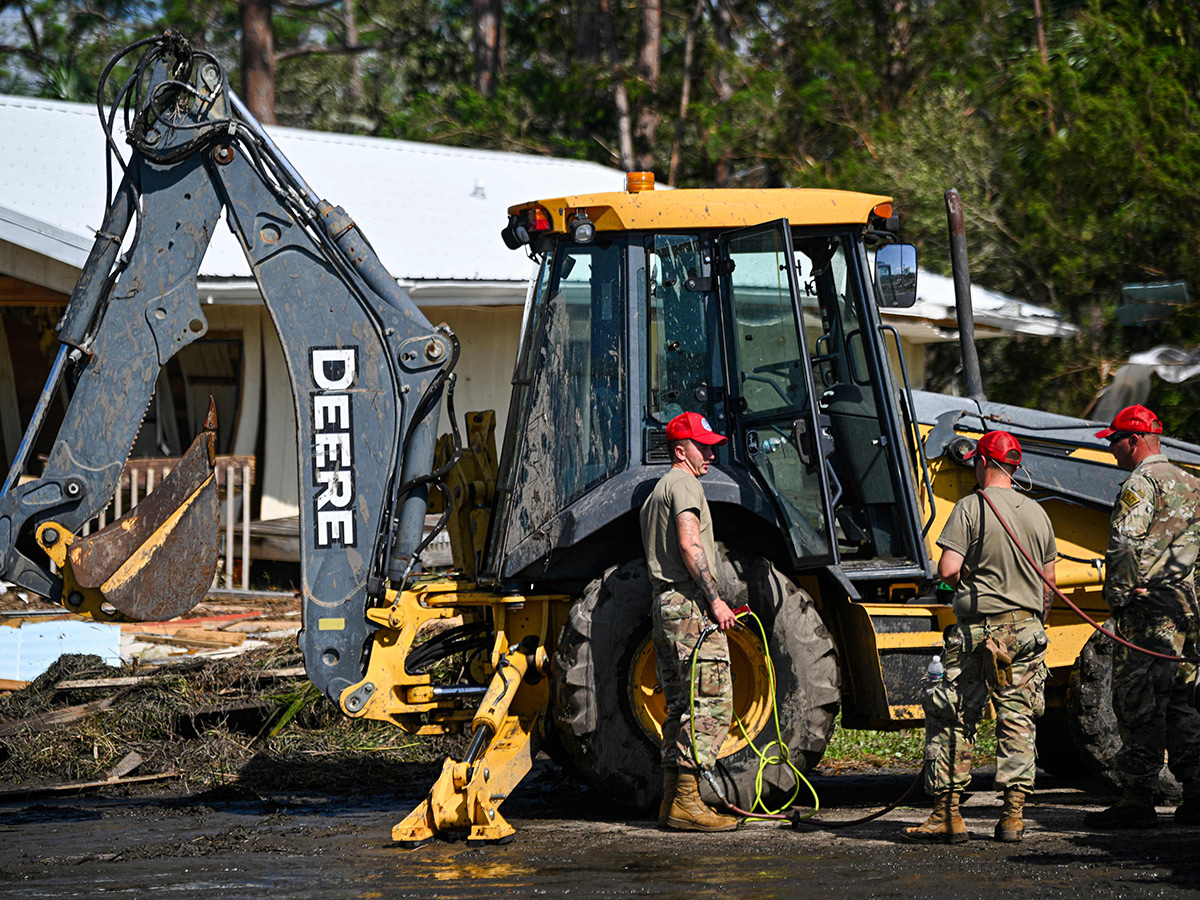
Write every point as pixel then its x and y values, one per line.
pixel 433 213
pixel 430 211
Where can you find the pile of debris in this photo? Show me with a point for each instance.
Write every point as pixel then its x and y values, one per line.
pixel 35 632
pixel 216 698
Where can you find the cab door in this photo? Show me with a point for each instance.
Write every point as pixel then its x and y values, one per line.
pixel 771 383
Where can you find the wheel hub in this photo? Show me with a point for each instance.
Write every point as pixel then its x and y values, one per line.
pixel 752 702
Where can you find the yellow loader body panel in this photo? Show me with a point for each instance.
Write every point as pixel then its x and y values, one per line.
pixel 709 208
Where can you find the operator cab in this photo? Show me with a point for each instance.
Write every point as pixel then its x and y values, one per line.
pixel 650 304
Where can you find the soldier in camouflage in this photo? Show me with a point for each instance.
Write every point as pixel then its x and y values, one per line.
pixel 995 651
pixel 678 539
pixel 1149 571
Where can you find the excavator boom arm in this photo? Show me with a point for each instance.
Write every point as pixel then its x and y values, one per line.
pixel 367 369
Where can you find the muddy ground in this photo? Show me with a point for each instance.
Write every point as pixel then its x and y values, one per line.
pixel 230 842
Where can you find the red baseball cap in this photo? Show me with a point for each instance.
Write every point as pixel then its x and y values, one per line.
pixel 1135 419
pixel 695 426
pixel 998 445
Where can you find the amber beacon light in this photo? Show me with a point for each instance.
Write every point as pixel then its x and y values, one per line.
pixel 636 182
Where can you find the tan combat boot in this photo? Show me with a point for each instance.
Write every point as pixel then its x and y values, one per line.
pixel 1011 825
pixel 670 779
pixel 944 825
pixel 689 813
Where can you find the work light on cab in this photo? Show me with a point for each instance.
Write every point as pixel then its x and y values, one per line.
pixel 583 230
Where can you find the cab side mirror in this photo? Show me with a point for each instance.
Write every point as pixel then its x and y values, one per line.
pixel 896 275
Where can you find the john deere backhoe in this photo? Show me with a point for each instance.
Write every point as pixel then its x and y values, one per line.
pixel 758 308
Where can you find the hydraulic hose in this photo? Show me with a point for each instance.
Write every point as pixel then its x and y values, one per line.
pixel 764 761
pixel 796 817
pixel 1079 612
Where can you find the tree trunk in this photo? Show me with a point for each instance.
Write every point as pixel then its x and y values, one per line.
pixel 258 59
pixel 899 38
pixel 586 52
pixel 685 93
pixel 354 90
pixel 649 69
pixel 587 31
pixel 620 92
pixel 488 44
pixel 723 27
pixel 1040 23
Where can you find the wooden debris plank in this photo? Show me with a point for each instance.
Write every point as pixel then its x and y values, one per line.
pixel 25 618
pixel 69 786
pixel 215 640
pixel 128 763
pixel 290 672
pixel 13 684
pixel 258 625
pixel 83 684
pixel 52 719
pixel 248 717
pixel 224 638
pixel 177 624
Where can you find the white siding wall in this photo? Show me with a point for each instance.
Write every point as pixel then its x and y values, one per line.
pixel 489 336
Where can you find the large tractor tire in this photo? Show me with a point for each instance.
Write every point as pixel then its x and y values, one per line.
pixel 608 709
pixel 1091 719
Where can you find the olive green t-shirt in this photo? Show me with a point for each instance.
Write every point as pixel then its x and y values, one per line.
pixel 676 492
pixel 996 577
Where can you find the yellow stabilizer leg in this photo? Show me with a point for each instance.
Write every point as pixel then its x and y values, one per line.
pixel 468 794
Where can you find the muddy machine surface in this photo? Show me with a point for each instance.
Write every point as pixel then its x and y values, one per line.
pixel 758 309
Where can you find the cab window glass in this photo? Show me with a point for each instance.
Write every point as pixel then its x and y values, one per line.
pixel 839 356
pixel 680 363
pixel 575 433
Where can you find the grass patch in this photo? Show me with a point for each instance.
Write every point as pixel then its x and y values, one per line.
pixel 860 749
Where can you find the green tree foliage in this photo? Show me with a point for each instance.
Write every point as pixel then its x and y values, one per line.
pixel 1068 126
pixel 56 50
pixel 1105 192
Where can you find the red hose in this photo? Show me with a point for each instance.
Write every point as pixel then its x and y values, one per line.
pixel 1079 612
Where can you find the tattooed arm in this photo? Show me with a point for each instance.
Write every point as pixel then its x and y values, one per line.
pixel 688 525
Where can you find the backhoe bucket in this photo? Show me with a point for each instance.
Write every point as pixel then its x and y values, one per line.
pixel 157 561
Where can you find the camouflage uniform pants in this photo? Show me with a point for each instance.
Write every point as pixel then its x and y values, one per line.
pixel 1151 702
pixel 678 620
pixel 954 706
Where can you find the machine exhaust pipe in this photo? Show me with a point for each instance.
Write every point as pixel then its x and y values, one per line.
pixel 972 380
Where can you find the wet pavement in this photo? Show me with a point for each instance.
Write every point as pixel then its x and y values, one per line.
pixel 571 842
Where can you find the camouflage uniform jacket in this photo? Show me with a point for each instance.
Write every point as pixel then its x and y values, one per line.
pixel 1154 537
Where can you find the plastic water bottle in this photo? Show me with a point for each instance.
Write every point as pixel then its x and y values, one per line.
pixel 936 670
